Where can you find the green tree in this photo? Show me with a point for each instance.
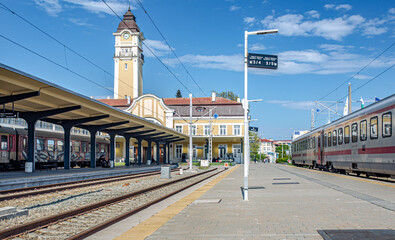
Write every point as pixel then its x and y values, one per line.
pixel 254 144
pixel 178 94
pixel 229 95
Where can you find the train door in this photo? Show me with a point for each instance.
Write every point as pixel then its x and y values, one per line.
pixel 4 153
pixel 321 148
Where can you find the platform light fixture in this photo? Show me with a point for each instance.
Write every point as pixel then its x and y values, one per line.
pixel 246 122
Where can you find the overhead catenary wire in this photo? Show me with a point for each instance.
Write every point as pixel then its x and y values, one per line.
pixel 66 61
pixel 171 49
pixel 357 73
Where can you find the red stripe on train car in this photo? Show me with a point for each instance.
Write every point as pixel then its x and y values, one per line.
pixel 342 152
pixel 377 150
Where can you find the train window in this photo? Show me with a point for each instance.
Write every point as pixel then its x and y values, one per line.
pixel 347 134
pixel 329 139
pixel 102 149
pixel 325 140
pixel 4 142
pixel 84 146
pixel 50 145
pixel 77 146
pixel 373 127
pixel 354 132
pixel 340 136
pixel 387 125
pixel 97 148
pixel 363 130
pixel 313 142
pixel 60 146
pixel 40 144
pixel 24 143
pixel 334 137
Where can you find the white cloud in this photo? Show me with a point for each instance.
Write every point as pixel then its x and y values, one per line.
pixel 334 47
pixel 52 7
pixel 301 105
pixel 234 8
pixel 249 20
pixel 99 7
pixel 158 47
pixel 391 11
pixel 257 47
pixel 331 29
pixel 222 62
pixel 345 7
pixel 362 77
pixel 372 27
pixel 308 56
pixel 80 22
pixel 313 14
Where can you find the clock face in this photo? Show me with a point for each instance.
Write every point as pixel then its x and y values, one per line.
pixel 126 36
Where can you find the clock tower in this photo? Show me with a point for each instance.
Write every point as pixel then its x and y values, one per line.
pixel 128 58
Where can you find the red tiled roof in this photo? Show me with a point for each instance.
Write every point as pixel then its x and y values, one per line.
pixel 266 140
pixel 116 102
pixel 199 101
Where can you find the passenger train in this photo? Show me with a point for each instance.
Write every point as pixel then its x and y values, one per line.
pixel 362 142
pixel 49 148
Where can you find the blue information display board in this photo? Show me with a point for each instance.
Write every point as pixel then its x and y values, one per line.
pixel 262 61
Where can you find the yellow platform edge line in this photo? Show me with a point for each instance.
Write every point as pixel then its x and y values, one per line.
pixel 348 177
pixel 152 224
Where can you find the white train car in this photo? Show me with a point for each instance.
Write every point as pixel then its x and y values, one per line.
pixel 362 142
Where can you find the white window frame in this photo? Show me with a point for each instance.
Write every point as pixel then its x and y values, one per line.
pixel 222 130
pixel 207 130
pixel 236 131
pixel 175 150
pixel 194 129
pixel 178 128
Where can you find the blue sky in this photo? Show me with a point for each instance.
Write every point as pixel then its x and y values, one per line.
pixel 320 45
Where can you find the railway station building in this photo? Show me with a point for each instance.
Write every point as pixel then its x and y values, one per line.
pixel 217 122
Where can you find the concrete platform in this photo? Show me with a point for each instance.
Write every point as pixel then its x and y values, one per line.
pixel 20 179
pixel 284 203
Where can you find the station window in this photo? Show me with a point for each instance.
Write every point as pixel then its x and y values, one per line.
pixel 40 144
pixel 206 130
pixel 340 136
pixel 179 129
pixel 60 146
pixel 373 127
pixel 387 125
pixel 222 130
pixel 4 142
pixel 329 139
pixel 126 66
pixel 236 130
pixel 354 132
pixel 334 137
pixel 50 145
pixel 363 130
pixel 193 129
pixel 347 134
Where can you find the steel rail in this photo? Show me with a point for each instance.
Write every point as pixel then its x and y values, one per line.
pixel 70 185
pixel 114 220
pixel 31 226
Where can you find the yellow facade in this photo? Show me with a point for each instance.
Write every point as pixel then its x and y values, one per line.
pixel 125 74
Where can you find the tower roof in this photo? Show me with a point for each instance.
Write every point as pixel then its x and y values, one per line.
pixel 129 22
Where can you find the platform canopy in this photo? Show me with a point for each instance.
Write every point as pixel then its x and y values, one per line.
pixel 24 93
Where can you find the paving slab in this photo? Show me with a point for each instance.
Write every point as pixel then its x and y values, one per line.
pixel 318 202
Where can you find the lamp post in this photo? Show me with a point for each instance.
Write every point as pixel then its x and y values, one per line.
pixel 246 125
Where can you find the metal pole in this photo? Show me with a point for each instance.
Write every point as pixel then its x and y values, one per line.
pixel 190 131
pixel 246 127
pixel 349 98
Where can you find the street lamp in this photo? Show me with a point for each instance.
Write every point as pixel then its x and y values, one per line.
pixel 246 125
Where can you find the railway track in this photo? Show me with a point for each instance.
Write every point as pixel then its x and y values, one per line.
pixel 43 189
pixel 84 221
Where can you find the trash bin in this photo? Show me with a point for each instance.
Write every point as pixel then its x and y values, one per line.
pixel 28 167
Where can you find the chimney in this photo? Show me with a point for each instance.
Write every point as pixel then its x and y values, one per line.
pixel 108 97
pixel 213 95
pixel 238 99
pixel 128 100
